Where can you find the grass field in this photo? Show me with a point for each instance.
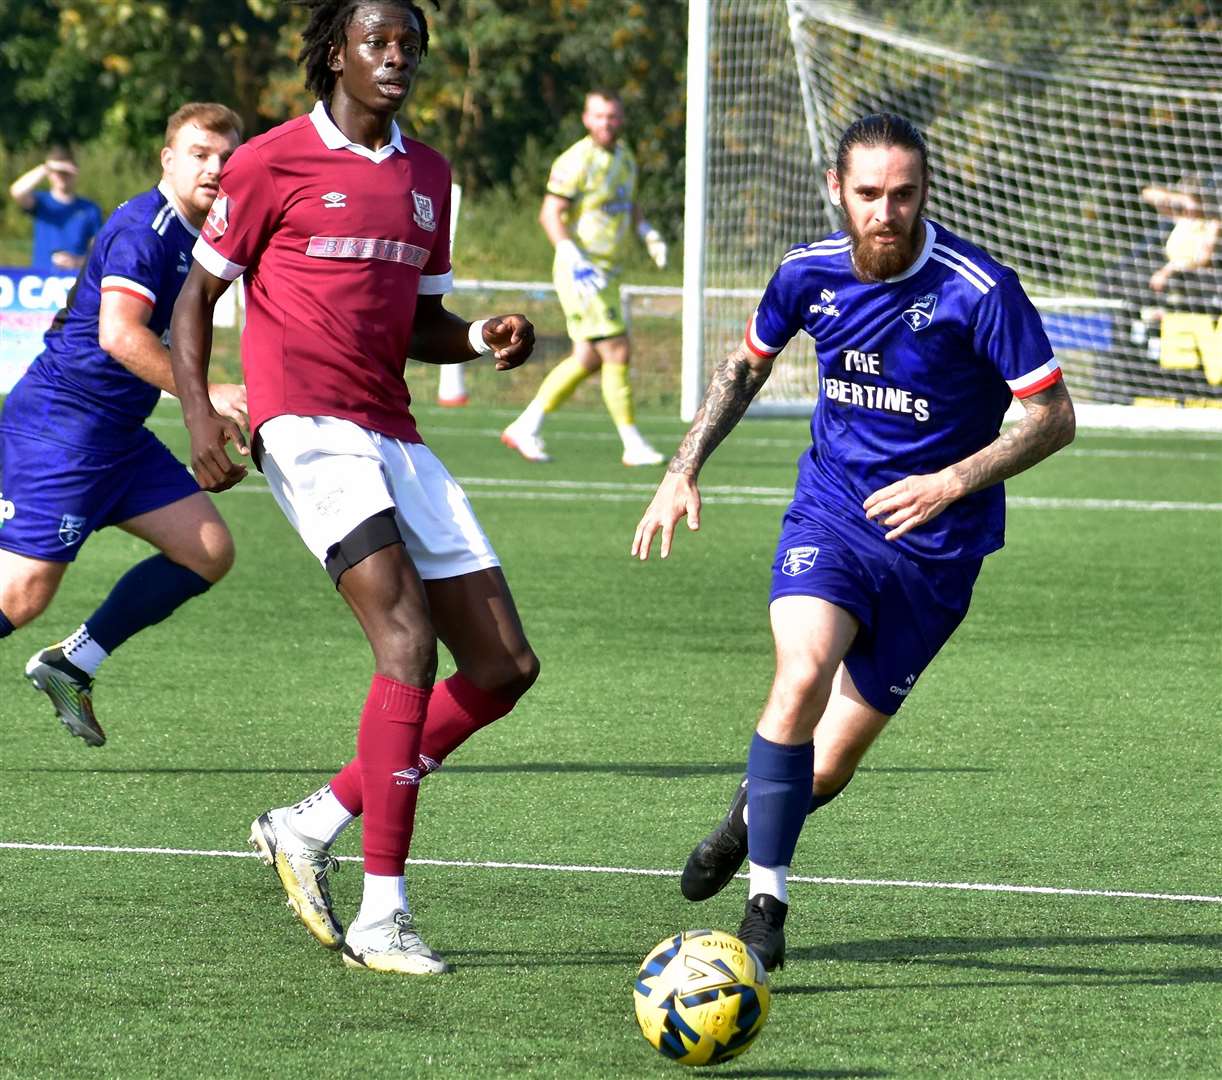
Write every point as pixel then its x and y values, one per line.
pixel 1066 740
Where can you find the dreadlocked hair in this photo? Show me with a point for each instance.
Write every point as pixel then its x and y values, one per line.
pixel 327 29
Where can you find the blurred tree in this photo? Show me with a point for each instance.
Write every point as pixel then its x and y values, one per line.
pixel 501 92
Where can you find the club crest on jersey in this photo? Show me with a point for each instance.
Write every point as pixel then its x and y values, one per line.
pixel 218 217
pixel 920 314
pixel 70 527
pixel 334 200
pixel 423 215
pixel 798 560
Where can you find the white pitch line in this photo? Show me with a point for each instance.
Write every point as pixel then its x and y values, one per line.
pixel 576 868
pixel 743 439
pixel 497 487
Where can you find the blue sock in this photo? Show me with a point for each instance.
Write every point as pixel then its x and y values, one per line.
pixel 149 592
pixel 6 627
pixel 778 798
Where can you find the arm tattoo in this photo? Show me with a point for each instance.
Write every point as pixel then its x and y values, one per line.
pixel 735 382
pixel 1047 426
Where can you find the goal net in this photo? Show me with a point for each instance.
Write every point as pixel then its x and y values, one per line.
pixel 1061 147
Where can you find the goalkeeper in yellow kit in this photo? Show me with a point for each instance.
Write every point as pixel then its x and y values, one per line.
pixel 587 213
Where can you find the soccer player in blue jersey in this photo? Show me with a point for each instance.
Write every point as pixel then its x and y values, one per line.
pixel 75 455
pixel 922 340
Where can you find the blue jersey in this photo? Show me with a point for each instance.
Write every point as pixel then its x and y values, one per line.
pixel 75 393
pixel 915 373
pixel 60 226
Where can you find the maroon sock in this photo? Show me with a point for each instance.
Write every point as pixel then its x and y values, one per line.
pixel 457 710
pixel 388 748
pixel 346 787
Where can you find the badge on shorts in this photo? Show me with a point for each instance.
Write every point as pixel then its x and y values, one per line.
pixel 798 560
pixel 70 528
pixel 423 215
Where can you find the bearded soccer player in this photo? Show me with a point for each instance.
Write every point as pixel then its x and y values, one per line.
pixel 340 226
pixel 75 455
pixel 922 340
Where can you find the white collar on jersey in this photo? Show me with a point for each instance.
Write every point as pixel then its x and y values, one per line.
pixel 930 235
pixel 334 139
pixel 164 187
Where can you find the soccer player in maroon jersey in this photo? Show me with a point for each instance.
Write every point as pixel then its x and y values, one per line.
pixel 340 227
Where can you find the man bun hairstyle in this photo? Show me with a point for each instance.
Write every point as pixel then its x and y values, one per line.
pixel 327 29
pixel 881 129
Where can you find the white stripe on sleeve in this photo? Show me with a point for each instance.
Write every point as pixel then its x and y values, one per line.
pixel 214 262
pixel 436 284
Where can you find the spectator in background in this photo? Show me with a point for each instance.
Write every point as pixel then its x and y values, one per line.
pixel 1189 247
pixel 64 223
pixel 589 206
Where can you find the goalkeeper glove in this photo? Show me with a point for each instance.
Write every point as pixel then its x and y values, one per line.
pixel 654 244
pixel 588 278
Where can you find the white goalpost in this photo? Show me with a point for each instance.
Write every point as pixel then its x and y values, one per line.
pixel 1071 151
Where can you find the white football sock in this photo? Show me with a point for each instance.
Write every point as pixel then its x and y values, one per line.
pixel 631 437
pixel 83 651
pixel 531 419
pixel 451 382
pixel 770 880
pixel 319 818
pixel 383 896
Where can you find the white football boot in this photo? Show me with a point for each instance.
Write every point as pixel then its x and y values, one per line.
pixel 302 871
pixel 391 945
pixel 642 454
pixel 526 443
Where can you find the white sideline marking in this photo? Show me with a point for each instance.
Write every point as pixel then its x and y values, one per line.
pixel 490 487
pixel 741 438
pixel 465 864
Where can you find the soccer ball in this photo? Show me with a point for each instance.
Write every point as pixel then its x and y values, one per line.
pixel 701 997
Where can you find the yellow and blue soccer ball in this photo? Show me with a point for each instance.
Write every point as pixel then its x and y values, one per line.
pixel 701 997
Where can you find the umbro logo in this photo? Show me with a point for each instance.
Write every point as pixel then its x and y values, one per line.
pixel 334 200
pixel 406 777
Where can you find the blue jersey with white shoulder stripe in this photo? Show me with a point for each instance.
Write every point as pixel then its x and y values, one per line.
pixel 915 373
pixel 75 393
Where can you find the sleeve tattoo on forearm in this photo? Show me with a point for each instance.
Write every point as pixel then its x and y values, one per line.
pixel 1047 426
pixel 734 383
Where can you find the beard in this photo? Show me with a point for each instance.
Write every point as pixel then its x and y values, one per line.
pixel 872 261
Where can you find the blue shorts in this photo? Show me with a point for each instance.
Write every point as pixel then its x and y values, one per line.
pixel 908 607
pixel 53 496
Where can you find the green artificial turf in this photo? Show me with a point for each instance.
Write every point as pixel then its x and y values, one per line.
pixel 1066 738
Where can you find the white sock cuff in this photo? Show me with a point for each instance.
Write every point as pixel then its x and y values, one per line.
pixel 320 817
pixel 83 651
pixel 769 879
pixel 381 898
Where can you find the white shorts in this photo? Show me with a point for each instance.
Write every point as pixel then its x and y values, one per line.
pixel 329 475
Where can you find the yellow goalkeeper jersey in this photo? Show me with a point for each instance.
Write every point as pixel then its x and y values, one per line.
pixel 601 185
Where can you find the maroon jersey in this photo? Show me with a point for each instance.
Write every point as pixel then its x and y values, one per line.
pixel 336 241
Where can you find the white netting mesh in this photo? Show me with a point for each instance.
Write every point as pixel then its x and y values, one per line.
pixel 1042 142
